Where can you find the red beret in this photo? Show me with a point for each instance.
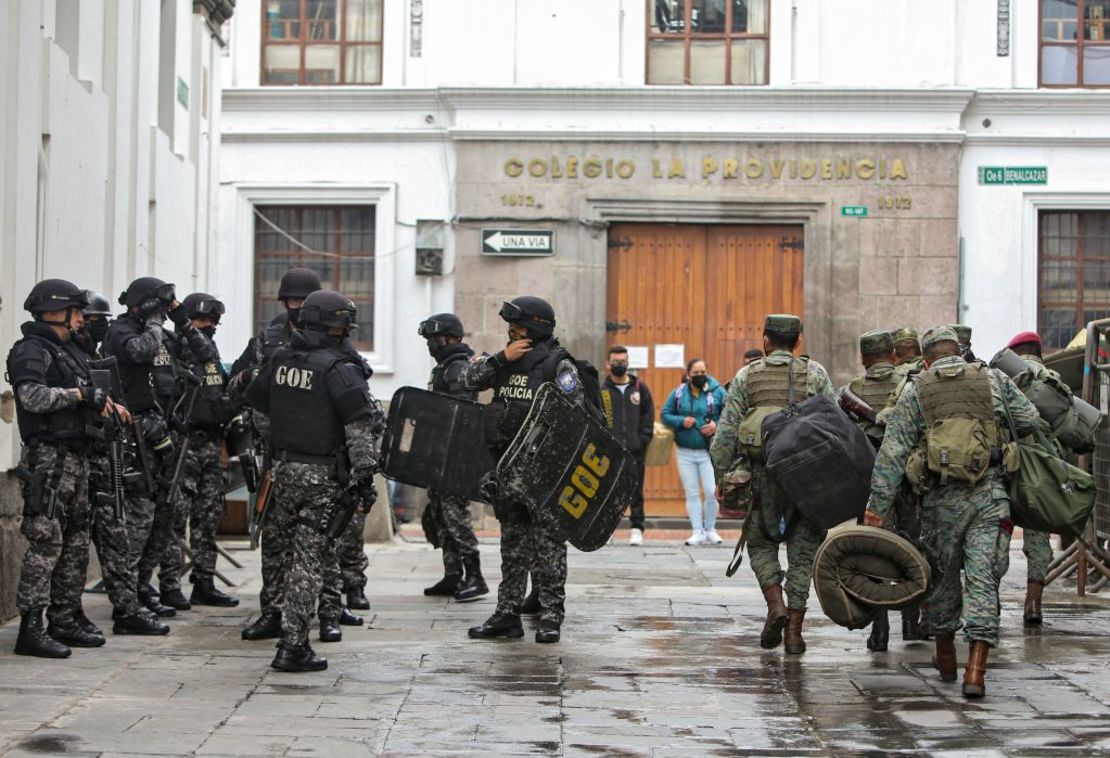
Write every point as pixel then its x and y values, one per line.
pixel 1024 338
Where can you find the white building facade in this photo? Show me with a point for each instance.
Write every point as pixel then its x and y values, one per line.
pixel 683 166
pixel 109 138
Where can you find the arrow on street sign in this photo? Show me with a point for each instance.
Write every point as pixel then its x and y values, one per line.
pixel 518 242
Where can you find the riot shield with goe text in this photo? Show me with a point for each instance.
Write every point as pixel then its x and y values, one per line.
pixel 436 441
pixel 572 474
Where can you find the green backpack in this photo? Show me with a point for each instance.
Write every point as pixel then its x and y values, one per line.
pixel 1048 494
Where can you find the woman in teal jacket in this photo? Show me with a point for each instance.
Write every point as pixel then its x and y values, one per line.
pixel 692 410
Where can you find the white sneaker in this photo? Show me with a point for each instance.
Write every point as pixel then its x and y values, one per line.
pixel 636 538
pixel 697 538
pixel 713 538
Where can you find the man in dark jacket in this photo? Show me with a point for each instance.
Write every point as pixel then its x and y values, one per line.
pixel 630 413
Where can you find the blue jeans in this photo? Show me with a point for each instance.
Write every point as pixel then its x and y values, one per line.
pixel 695 469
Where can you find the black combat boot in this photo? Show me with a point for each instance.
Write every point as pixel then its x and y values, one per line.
pixel 83 622
pixel 69 632
pixel 531 605
pixel 174 598
pixel 329 630
pixel 879 639
pixel 346 618
pixel 911 630
pixel 357 600
pixel 150 600
pixel 446 586
pixel 498 625
pixel 141 622
pixel 206 593
pixel 266 627
pixel 297 658
pixel 548 632
pixel 474 585
pixel 33 639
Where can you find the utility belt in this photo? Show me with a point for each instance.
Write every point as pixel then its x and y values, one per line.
pixel 41 488
pixel 336 462
pixel 203 434
pixel 78 445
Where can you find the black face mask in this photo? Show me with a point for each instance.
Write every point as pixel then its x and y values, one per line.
pixel 208 331
pixel 294 316
pixel 97 330
pixel 618 369
pixel 434 347
pixel 699 381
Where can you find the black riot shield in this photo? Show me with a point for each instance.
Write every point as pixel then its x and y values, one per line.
pixel 436 441
pixel 573 475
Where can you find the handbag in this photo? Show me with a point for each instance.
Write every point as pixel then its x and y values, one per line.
pixel 659 449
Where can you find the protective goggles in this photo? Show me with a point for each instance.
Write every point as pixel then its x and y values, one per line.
pixel 512 312
pixel 165 293
pixel 212 309
pixel 431 328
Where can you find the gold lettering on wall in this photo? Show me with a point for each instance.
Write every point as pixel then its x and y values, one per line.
pixel 751 168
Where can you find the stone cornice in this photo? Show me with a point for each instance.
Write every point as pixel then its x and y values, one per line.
pixel 1050 102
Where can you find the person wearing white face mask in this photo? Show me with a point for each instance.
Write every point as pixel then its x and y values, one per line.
pixel 692 410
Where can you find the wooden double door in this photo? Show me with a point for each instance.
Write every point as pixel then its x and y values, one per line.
pixel 706 288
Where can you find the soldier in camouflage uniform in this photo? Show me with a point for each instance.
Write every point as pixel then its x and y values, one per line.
pixel 531 358
pixel 965 509
pixel 1036 545
pixel 200 495
pixel 322 422
pixel 875 387
pixel 446 518
pixel 55 403
pixel 109 531
pixel 757 390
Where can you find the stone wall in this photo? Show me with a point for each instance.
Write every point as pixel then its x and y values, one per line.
pixel 12 544
pixel 897 266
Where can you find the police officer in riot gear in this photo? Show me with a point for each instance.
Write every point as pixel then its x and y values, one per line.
pixel 322 422
pixel 109 532
pixel 532 357
pixel 55 406
pixel 446 519
pixel 200 495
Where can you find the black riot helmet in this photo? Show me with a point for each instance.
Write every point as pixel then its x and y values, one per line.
pixel 98 305
pixel 327 308
pixel 298 282
pixel 441 325
pixel 147 288
pixel 203 305
pixel 54 295
pixel 534 312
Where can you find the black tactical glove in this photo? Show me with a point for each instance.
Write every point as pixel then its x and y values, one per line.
pixel 151 307
pixel 367 493
pixel 95 397
pixel 179 317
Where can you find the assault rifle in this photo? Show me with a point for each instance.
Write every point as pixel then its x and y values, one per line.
pixel 188 400
pixel 856 407
pixel 107 379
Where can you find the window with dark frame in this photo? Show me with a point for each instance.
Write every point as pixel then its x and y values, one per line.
pixel 335 241
pixel 1073 273
pixel 322 42
pixel 1074 43
pixel 708 42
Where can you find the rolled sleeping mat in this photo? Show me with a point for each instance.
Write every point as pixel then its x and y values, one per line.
pixel 1088 414
pixel 860 570
pixel 1009 363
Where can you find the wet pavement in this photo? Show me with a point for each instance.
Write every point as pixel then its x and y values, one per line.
pixel 659 657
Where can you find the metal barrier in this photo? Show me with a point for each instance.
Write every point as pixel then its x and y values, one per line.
pixel 1100 462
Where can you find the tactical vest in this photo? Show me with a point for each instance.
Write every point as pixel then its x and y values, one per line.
pixel 138 395
pixel 166 372
pixel 273 337
pixel 68 368
pixel 438 382
pixel 959 417
pixel 768 387
pixel 514 389
pixel 303 417
pixel 875 386
pixel 211 408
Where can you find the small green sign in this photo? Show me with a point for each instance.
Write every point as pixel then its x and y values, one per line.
pixel 856 211
pixel 182 93
pixel 1013 175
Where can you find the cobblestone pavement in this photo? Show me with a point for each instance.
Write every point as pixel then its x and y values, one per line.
pixel 659 657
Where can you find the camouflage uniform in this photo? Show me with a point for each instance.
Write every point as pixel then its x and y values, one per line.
pixel 448 525
pixel 962 524
pixel 351 554
pixel 199 505
pixel 109 535
pixel 525 545
pixel 726 451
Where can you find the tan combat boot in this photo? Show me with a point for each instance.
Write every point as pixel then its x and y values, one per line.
pixel 795 645
pixel 944 660
pixel 976 670
pixel 771 637
pixel 1033 592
